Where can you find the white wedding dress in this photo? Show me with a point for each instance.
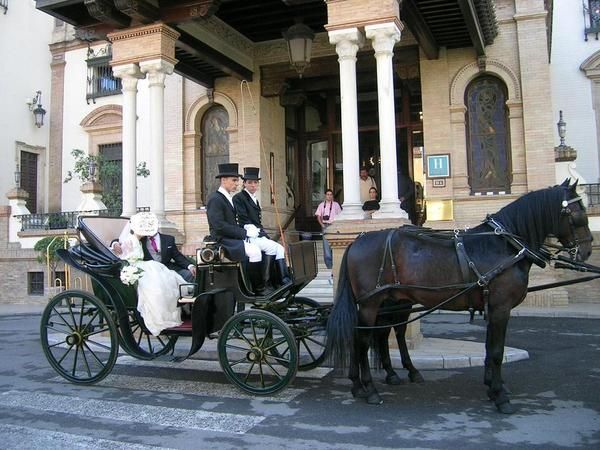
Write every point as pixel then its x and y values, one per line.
pixel 158 288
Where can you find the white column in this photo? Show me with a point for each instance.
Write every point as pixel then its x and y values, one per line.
pixel 129 74
pixel 383 37
pixel 157 70
pixel 347 42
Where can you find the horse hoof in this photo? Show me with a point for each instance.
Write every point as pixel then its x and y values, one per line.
pixel 506 408
pixel 358 393
pixel 393 380
pixel 416 378
pixel 374 399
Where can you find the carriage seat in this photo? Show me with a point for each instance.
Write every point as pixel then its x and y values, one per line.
pixel 100 231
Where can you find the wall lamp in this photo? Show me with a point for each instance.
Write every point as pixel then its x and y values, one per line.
pixel 38 111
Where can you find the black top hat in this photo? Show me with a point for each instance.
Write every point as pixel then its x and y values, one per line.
pixel 251 173
pixel 228 170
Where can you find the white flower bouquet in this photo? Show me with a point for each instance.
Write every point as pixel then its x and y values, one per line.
pixel 131 273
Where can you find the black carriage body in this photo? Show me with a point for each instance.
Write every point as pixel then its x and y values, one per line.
pixel 219 306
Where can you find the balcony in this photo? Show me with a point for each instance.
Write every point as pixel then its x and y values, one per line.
pixel 100 79
pixel 592 190
pixel 591 16
pixel 62 220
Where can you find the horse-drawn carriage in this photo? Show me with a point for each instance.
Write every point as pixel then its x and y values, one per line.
pixel 261 341
pixel 261 347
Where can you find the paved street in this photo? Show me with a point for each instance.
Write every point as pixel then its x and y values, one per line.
pixel 191 405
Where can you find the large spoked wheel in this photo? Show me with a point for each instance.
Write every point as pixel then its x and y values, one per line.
pixel 79 337
pixel 148 345
pixel 308 320
pixel 258 352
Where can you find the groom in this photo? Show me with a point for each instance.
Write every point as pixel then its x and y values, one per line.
pixel 162 248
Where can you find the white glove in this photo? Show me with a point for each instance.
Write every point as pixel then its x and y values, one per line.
pixel 251 230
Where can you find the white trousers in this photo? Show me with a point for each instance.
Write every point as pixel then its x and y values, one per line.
pixel 253 252
pixel 269 247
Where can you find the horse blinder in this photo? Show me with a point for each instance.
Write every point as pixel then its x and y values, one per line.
pixel 577 219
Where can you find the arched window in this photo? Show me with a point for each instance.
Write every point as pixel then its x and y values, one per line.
pixel 488 143
pixel 215 147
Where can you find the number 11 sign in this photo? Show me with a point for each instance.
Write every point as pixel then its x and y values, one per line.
pixel 438 166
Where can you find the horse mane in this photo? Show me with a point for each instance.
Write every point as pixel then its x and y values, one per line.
pixel 534 216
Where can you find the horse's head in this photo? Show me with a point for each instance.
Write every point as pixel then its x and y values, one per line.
pixel 573 231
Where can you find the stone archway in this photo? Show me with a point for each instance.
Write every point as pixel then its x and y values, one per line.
pixel 103 125
pixel 192 139
pixel 458 109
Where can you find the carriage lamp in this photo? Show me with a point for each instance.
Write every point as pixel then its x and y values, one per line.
pixel 299 38
pixel 562 129
pixel 18 177
pixel 38 111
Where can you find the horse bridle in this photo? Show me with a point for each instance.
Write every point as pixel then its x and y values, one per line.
pixel 576 219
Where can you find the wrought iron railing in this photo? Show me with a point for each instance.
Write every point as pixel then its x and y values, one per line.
pixel 591 17
pixel 592 190
pixel 4 5
pixel 63 220
pixel 100 79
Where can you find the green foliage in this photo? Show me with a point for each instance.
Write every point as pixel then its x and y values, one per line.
pixel 48 246
pixel 105 168
pixel 109 174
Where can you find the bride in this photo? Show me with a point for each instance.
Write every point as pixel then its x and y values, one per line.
pixel 158 287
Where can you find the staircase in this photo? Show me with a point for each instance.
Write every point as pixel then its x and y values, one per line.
pixel 321 288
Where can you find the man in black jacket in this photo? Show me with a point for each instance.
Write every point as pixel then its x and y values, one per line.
pixel 250 216
pixel 225 229
pixel 162 248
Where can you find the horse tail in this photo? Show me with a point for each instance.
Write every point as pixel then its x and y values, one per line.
pixel 342 321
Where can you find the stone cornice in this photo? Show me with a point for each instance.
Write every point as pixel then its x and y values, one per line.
pixel 90 119
pixel 143 31
pixel 530 16
pixel 364 23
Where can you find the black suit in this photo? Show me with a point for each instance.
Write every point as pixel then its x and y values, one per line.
pixel 170 256
pixel 224 227
pixel 248 212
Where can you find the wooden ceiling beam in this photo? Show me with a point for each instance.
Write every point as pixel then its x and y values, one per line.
pixel 472 21
pixel 189 71
pixel 197 48
pixel 104 11
pixel 139 10
pixel 186 11
pixel 412 17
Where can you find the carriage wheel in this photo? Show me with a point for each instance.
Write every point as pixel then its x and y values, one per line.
pixel 308 322
pixel 258 352
pixel 151 346
pixel 79 337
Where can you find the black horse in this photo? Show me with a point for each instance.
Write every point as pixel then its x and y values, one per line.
pixel 485 268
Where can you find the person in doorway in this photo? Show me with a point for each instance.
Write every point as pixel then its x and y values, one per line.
pixel 225 229
pixel 326 213
pixel 250 216
pixel 406 191
pixel 371 205
pixel 366 183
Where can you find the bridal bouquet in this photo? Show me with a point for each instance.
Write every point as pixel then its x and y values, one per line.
pixel 130 274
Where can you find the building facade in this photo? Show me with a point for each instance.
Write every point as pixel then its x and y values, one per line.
pixel 457 97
